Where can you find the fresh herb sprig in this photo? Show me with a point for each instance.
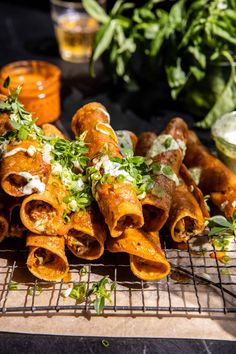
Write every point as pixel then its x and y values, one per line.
pixel 20 119
pixel 219 225
pixel 99 290
pixel 78 292
pixel 70 155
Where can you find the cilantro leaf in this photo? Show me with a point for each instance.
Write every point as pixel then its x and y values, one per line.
pixel 78 292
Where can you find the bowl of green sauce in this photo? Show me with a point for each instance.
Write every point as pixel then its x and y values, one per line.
pixel 224 134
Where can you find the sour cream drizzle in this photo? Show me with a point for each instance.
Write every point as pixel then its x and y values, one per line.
pixel 124 140
pixel 30 151
pixel 165 142
pixel 105 112
pixel 172 176
pixel 34 183
pixel 106 129
pixel 196 174
pixel 112 168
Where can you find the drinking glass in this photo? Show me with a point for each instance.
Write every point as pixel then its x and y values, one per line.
pixel 75 29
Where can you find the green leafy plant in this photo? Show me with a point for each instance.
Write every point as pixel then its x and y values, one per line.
pixel 192 41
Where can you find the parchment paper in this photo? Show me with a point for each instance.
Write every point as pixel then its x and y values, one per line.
pixel 120 323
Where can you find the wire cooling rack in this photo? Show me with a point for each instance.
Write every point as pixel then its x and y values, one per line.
pixel 198 283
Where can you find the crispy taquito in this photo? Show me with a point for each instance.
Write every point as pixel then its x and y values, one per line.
pixel 165 157
pixel 185 218
pixel 116 199
pixel 23 170
pixel 144 143
pixel 87 234
pixel 211 175
pixel 47 259
pixel 42 213
pixel 4 225
pixel 52 131
pixel 188 209
pixel 147 260
pixel 16 227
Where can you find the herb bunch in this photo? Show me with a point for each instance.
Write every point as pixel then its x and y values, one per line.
pixel 186 39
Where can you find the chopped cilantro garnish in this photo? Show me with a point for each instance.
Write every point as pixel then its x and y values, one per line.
pixel 70 153
pixel 13 286
pixel 105 343
pixel 101 292
pixel 168 142
pixel 34 290
pixel 83 271
pixel 78 292
pixel 167 170
pixel 65 217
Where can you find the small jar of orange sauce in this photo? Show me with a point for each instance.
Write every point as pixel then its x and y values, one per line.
pixel 40 91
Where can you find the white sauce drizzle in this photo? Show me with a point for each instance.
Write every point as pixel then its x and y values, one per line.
pixel 34 183
pixel 56 169
pixel 105 112
pixel 100 129
pixel 47 157
pixel 30 151
pixel 196 174
pixel 124 140
pixel 160 145
pixel 172 176
pixel 112 168
pixel 225 128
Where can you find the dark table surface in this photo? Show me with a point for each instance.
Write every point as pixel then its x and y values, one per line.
pixel 27 33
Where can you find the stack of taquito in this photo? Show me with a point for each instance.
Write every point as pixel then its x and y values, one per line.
pixel 34 197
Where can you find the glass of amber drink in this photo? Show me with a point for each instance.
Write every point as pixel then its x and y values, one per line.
pixel 75 29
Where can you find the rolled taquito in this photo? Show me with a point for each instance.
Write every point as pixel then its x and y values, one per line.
pixel 165 158
pixel 147 260
pixel 52 131
pixel 211 175
pixel 4 225
pixel 23 169
pixel 144 143
pixel 86 235
pixel 47 259
pixel 185 218
pixel 42 213
pixel 116 199
pixel 16 227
